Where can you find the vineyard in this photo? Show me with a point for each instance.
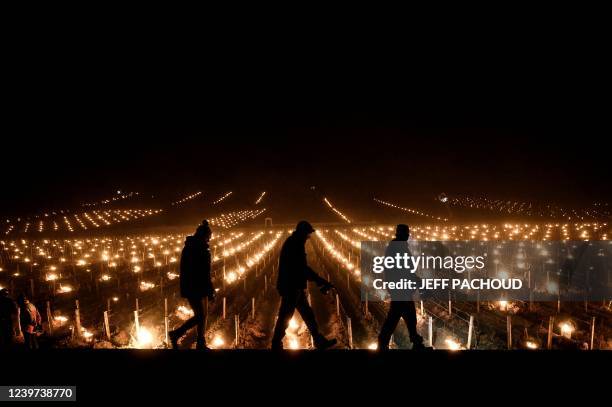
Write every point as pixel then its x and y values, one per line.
pixel 122 292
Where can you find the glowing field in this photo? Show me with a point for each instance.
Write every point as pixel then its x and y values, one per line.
pixel 122 291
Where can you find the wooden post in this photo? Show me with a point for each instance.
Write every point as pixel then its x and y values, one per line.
pixel 49 318
pixel 237 327
pixel 137 323
pixel 530 300
pixel 337 305
pixel 430 329
pixel 509 330
pixel 349 327
pixel 166 320
pixel 107 326
pixel 470 332
pixel 224 307
pixel 592 332
pixel 550 332
pixel 224 273
pixel 253 307
pixel 422 309
pixel 19 331
pixel 77 322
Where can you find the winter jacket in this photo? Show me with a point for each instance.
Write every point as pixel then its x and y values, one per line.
pixel 293 270
pixel 29 318
pixel 195 269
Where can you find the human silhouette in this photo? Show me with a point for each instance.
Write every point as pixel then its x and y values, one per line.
pixel 196 285
pixel 8 319
pixel 293 275
pixel 30 320
pixel 400 307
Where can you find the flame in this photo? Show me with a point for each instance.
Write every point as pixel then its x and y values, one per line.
pixel 144 338
pixel 183 312
pixel 217 342
pixel 452 344
pixel 51 277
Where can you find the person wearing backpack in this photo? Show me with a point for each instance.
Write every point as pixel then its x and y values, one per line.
pixel 30 319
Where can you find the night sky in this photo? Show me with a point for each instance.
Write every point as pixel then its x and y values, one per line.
pixel 83 117
pixel 356 156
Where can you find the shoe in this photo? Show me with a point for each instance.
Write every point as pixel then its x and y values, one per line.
pixel 174 337
pixel 418 345
pixel 325 343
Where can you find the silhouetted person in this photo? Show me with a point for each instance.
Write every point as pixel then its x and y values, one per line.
pixel 293 274
pixel 8 319
pixel 400 306
pixel 196 285
pixel 30 319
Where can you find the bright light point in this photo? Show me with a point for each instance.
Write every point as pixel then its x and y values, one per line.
pixel 452 344
pixel 51 277
pixel 144 337
pixel 293 324
pixel 567 328
pixel 217 342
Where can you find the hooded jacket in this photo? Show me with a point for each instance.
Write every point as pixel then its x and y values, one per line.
pixel 195 269
pixel 293 270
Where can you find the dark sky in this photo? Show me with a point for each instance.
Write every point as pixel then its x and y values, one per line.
pixel 81 120
pixel 348 158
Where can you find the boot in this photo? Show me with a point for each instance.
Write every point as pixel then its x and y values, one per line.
pixel 323 343
pixel 417 344
pixel 201 345
pixel 382 347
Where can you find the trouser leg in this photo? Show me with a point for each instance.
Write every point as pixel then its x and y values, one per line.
pixel 29 340
pixel 308 316
pixel 388 327
pixel 197 306
pixel 285 312
pixel 410 318
pixel 200 308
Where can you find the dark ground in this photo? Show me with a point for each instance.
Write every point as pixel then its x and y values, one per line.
pixel 256 377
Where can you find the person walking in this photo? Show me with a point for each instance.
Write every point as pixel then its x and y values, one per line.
pixel 30 320
pixel 293 275
pixel 195 284
pixel 401 306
